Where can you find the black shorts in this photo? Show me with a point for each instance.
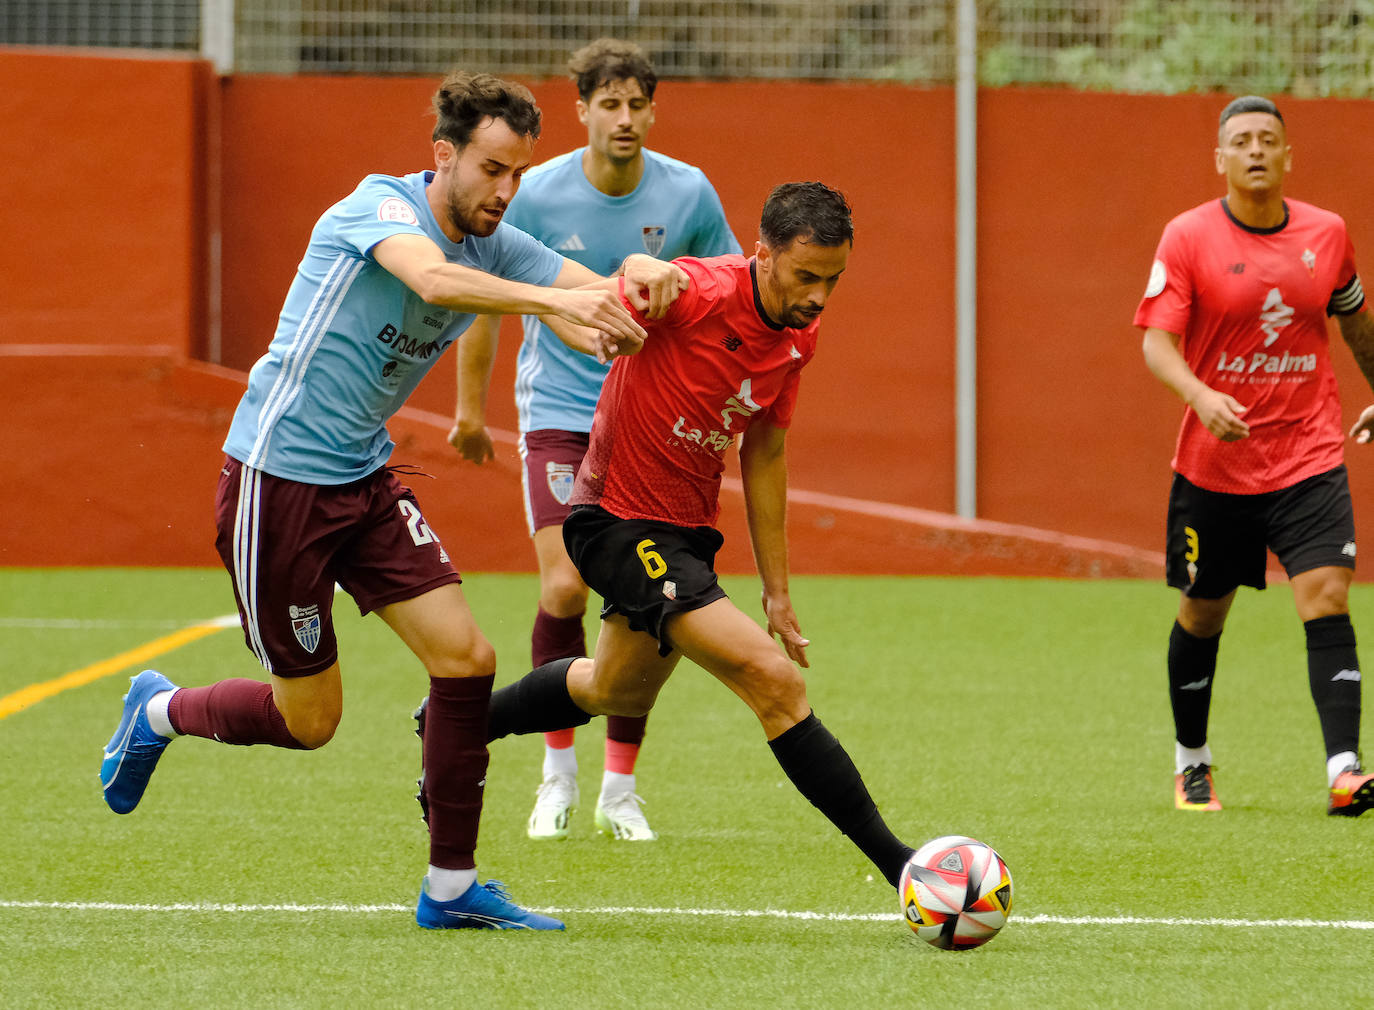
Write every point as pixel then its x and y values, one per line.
pixel 643 569
pixel 1217 541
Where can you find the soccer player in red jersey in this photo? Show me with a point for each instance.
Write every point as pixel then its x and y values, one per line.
pixel 721 366
pixel 1235 324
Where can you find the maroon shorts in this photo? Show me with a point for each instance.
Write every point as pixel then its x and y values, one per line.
pixel 286 544
pixel 551 460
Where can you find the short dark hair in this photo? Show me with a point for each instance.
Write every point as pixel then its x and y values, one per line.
pixel 809 210
pixel 465 99
pixel 605 60
pixel 1248 103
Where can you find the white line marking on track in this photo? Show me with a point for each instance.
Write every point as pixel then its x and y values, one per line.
pixel 721 913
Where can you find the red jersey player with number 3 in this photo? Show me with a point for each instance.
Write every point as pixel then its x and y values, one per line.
pixel 721 365
pixel 1235 323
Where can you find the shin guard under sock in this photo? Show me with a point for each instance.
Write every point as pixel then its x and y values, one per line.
pixel 237 711
pixel 1333 671
pixel 536 703
pixel 551 639
pixel 823 772
pixel 556 638
pixel 1192 668
pixel 455 767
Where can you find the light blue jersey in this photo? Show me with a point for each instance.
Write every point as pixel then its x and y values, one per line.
pixel 673 212
pixel 353 341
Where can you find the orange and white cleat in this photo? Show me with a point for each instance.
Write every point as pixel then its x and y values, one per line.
pixel 1193 790
pixel 1351 794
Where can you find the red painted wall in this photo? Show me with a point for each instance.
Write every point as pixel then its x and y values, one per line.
pixel 107 162
pixel 101 168
pixel 1074 190
pixel 882 383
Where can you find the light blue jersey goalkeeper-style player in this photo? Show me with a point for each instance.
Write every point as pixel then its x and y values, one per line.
pixel 674 211
pixel 353 341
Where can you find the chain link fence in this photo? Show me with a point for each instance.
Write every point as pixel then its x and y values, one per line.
pixel 1302 47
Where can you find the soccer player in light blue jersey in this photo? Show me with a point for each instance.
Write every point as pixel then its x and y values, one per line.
pixel 391 277
pixel 596 205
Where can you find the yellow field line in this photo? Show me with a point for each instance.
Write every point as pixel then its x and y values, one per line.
pixel 34 693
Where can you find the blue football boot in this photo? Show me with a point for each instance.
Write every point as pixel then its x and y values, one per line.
pixel 481 906
pixel 132 753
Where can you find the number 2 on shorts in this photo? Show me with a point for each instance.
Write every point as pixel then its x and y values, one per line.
pixel 415 522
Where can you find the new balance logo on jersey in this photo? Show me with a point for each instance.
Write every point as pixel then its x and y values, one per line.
pixel 731 342
pixel 1274 316
pixel 1353 675
pixel 1236 268
pixel 1196 685
pixel 573 243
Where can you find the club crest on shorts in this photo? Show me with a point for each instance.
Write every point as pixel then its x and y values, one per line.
pixel 670 589
pixel 654 237
pixel 560 477
pixel 305 623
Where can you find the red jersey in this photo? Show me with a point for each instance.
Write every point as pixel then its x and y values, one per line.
pixel 713 365
pixel 1250 307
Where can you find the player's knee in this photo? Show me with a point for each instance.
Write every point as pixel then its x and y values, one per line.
pixel 1203 618
pixel 775 689
pixel 314 727
pixel 629 700
pixel 477 659
pixel 564 594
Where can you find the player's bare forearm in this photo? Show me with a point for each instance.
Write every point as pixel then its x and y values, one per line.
pixel 420 264
pixel 1358 331
pixel 1166 363
pixel 476 352
pixel 1220 413
pixel 763 470
pixel 591 341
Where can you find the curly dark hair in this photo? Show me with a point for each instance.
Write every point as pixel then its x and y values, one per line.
pixel 809 210
pixel 465 99
pixel 605 60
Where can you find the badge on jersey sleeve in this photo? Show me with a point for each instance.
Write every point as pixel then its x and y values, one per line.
pixel 654 237
pixel 560 477
pixel 393 208
pixel 1158 278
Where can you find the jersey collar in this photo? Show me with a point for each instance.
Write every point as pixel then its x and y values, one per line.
pixel 758 302
pixel 1257 231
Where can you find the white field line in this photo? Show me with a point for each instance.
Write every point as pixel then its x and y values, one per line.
pixel 341 908
pixel 102 623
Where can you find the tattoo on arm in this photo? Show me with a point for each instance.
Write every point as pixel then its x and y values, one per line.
pixel 1358 331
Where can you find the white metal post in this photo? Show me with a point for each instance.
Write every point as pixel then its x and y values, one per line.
pixel 966 262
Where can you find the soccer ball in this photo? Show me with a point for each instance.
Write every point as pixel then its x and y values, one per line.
pixel 955 892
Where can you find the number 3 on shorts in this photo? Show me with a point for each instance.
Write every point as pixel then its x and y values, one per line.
pixel 653 561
